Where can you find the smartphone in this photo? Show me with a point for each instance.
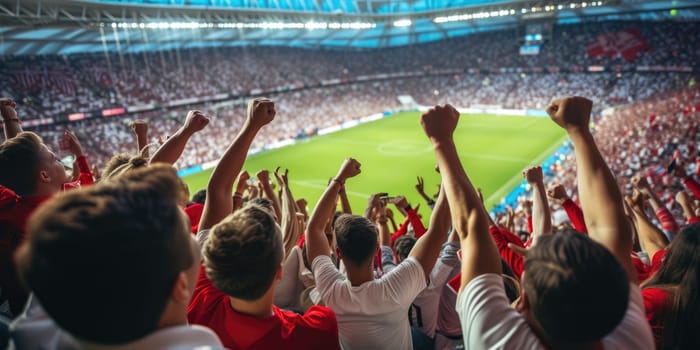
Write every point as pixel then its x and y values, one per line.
pixel 671 167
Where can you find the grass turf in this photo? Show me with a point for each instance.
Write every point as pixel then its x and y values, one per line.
pixel 393 151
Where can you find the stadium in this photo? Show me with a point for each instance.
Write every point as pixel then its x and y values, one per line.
pixel 242 111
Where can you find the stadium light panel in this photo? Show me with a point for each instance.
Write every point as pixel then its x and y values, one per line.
pixel 403 23
pixel 248 25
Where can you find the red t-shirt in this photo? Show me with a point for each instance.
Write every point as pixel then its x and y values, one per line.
pixel 657 303
pixel 14 214
pixel 194 212
pixel 502 237
pixel 317 329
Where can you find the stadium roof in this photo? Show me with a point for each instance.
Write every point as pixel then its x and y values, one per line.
pixel 35 27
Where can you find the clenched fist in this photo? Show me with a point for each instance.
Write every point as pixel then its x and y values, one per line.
pixel 571 113
pixel 195 121
pixel 440 122
pixel 7 108
pixel 557 192
pixel 261 111
pixel 533 174
pixel 350 168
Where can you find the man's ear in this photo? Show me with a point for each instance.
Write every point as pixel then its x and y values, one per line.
pixel 181 291
pixel 280 271
pixel 44 176
pixel 523 303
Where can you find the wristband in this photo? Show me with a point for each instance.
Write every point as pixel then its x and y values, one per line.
pixel 341 183
pixel 11 120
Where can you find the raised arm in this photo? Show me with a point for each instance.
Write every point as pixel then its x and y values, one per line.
pixel 172 149
pixel 316 242
pixel 668 222
pixel 541 218
pixel 686 204
pixel 420 188
pixel 344 202
pixel 10 121
pixel 84 174
pixel 241 186
pixel 428 246
pixel 479 252
pixel 573 211
pixel 218 203
pixel 291 228
pixel 601 200
pixel 650 237
pixel 264 180
pixel 140 130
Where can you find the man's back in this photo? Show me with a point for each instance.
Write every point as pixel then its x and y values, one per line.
pixel 317 329
pixel 374 314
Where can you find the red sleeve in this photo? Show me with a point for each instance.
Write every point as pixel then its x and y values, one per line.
pixel 693 186
pixel 502 237
pixel 400 232
pixel 301 240
pixel 667 221
pixel 656 306
pixel 575 214
pixel 693 220
pixel 418 227
pixel 204 299
pixel 325 325
pixel 641 268
pixel 657 260
pixel 529 224
pixel 85 178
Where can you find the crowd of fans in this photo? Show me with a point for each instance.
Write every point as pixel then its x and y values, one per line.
pixel 124 258
pixel 51 86
pixel 105 137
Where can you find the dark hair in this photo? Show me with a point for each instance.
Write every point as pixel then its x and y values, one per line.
pixel 576 288
pixel 243 253
pixel 403 246
pixel 356 237
pixel 262 202
pixel 681 269
pixel 103 259
pixel 20 159
pixel 199 197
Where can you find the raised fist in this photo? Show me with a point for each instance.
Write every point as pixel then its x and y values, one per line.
pixel 195 121
pixel 682 198
pixel 243 176
pixel 639 182
pixel 350 168
pixel 557 192
pixel 261 111
pixel 71 143
pixel 7 108
pixel 139 127
pixel 571 113
pixel 440 122
pixel 533 174
pixel 263 176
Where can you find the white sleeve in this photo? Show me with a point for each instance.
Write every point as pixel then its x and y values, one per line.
pixel 325 275
pixel 488 320
pixel 405 282
pixel 634 331
pixel 286 292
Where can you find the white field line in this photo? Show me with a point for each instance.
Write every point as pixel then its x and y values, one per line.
pixel 517 178
pixel 323 187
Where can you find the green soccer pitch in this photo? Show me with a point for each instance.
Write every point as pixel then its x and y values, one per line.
pixel 394 150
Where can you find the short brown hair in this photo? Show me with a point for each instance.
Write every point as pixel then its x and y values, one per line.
pixel 116 161
pixel 243 253
pixel 20 159
pixel 356 237
pixel 576 288
pixel 103 259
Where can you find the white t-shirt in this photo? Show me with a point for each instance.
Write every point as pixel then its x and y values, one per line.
pixel 423 313
pixel 489 322
pixel 295 279
pixel 372 315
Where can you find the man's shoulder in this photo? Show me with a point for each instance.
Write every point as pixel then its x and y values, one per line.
pixel 318 318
